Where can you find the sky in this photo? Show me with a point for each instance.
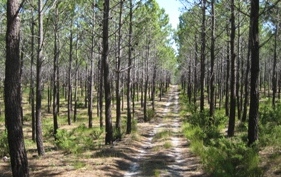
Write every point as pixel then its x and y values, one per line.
pixel 172 9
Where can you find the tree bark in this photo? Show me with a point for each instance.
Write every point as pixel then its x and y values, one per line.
pixel 69 81
pixel 55 73
pixel 146 85
pixel 153 89
pixel 274 73
pixel 39 136
pixel 195 71
pixel 118 63
pixel 231 123
pixel 32 94
pixel 212 79
pixel 254 93
pixel 107 84
pixel 227 77
pixel 129 114
pixel 91 80
pixel 12 91
pixel 101 94
pixel 246 81
pixel 202 59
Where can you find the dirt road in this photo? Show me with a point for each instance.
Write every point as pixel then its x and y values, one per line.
pixel 164 151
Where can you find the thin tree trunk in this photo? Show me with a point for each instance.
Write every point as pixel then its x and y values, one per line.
pixel 90 88
pixel 55 74
pixel 153 87
pixel 227 77
pixel 39 136
pixel 107 84
pixel 212 79
pixel 238 72
pixel 189 83
pixel 101 94
pixel 202 60
pixel 274 73
pixel 231 123
pixel 118 63
pixel 129 115
pixel 32 94
pixel 146 86
pixel 246 81
pixel 76 82
pixel 254 95
pixel 69 81
pixel 195 71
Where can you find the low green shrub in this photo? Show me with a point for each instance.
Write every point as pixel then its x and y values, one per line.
pixel 270 125
pixel 221 157
pixel 231 157
pixel 192 133
pixel 204 128
pixel 270 114
pixel 162 135
pixel 189 107
pixel 150 114
pixel 96 133
pixel 48 130
pixel 66 142
pixel 78 139
pixel 134 125
pixel 4 146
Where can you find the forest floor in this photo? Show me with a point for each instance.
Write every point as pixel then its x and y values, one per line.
pixel 157 149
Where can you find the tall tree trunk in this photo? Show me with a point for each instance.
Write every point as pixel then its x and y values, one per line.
pixel 212 79
pixel 146 86
pixel 12 92
pixel 101 94
pixel 69 81
pixel 49 95
pixel 231 123
pixel 254 94
pixel 76 82
pixel 107 91
pixel 227 76
pixel 153 87
pixel 21 69
pixel 202 60
pixel 246 81
pixel 195 71
pixel 55 73
pixel 32 94
pixel 118 63
pixel 39 136
pixel 238 70
pixel 189 82
pixel 274 73
pixel 91 80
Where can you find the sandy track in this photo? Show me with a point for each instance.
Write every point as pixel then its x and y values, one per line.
pixel 170 156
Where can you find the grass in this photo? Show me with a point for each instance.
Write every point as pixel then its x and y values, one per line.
pixel 168 145
pixel 78 164
pixel 164 134
pixel 157 173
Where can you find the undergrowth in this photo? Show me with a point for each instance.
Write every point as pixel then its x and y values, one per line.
pixel 4 146
pixel 221 156
pixel 270 125
pixel 77 140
